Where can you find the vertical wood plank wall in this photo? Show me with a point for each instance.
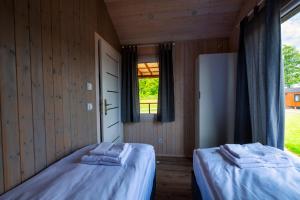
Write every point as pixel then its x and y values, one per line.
pixel 177 138
pixel 46 58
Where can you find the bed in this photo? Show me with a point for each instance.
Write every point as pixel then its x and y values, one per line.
pixel 69 179
pixel 215 178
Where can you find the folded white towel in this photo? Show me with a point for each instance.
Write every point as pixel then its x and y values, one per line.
pixel 282 162
pixel 102 148
pixel 243 151
pixel 275 159
pixel 110 149
pixel 117 159
pixel 253 150
pixel 236 160
pixel 266 165
pixel 93 159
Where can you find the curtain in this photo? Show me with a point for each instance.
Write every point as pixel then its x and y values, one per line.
pixel 166 109
pixel 130 105
pixel 262 50
pixel 242 122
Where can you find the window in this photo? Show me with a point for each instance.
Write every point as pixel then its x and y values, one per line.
pixel 148 74
pixel 291 59
pixel 297 97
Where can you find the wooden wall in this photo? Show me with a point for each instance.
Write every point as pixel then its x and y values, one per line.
pixel 46 58
pixel 177 138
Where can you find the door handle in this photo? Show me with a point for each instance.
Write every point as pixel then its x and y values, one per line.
pixel 106 106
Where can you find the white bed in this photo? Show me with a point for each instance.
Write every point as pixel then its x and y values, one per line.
pixel 218 179
pixel 69 179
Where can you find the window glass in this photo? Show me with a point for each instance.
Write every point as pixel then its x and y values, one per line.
pixel 148 74
pixel 297 97
pixel 290 31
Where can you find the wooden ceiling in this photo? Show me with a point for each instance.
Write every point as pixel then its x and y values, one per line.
pixel 151 21
pixel 148 70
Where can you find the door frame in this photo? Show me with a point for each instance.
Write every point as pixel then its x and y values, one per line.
pixel 100 43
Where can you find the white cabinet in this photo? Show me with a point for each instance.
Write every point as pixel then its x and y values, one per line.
pixel 215 99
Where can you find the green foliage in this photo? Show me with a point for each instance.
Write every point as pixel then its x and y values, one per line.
pixel 292 131
pixel 148 88
pixel 291 57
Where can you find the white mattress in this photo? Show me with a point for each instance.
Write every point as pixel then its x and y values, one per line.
pixel 218 179
pixel 201 179
pixel 69 179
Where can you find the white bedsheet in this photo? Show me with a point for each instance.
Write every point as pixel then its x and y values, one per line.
pixel 201 179
pixel 226 181
pixel 69 179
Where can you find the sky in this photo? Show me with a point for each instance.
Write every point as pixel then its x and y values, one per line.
pixel 290 31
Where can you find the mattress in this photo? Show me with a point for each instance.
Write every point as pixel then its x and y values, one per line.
pixel 70 179
pixel 201 179
pixel 219 179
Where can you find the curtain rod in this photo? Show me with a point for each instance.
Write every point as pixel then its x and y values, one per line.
pixel 257 5
pixel 250 12
pixel 147 45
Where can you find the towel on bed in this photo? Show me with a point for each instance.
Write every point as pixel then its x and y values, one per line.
pixel 234 159
pixel 110 149
pixel 245 151
pixel 270 157
pixel 93 159
pixel 117 159
pixel 101 148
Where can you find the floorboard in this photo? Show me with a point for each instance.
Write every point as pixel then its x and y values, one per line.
pixel 173 178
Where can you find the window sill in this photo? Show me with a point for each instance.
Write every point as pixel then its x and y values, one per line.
pixel 147 117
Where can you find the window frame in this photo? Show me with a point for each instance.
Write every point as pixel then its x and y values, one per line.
pixel 289 9
pixel 148 116
pixel 296 97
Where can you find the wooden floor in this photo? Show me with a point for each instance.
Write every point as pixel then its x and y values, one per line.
pixel 173 178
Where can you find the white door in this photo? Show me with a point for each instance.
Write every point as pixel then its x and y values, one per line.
pixel 216 99
pixel 109 84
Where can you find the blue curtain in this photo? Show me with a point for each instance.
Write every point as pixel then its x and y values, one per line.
pixel 261 42
pixel 166 108
pixel 130 104
pixel 242 122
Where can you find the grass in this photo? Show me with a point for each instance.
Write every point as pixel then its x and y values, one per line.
pixel 292 131
pixel 149 98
